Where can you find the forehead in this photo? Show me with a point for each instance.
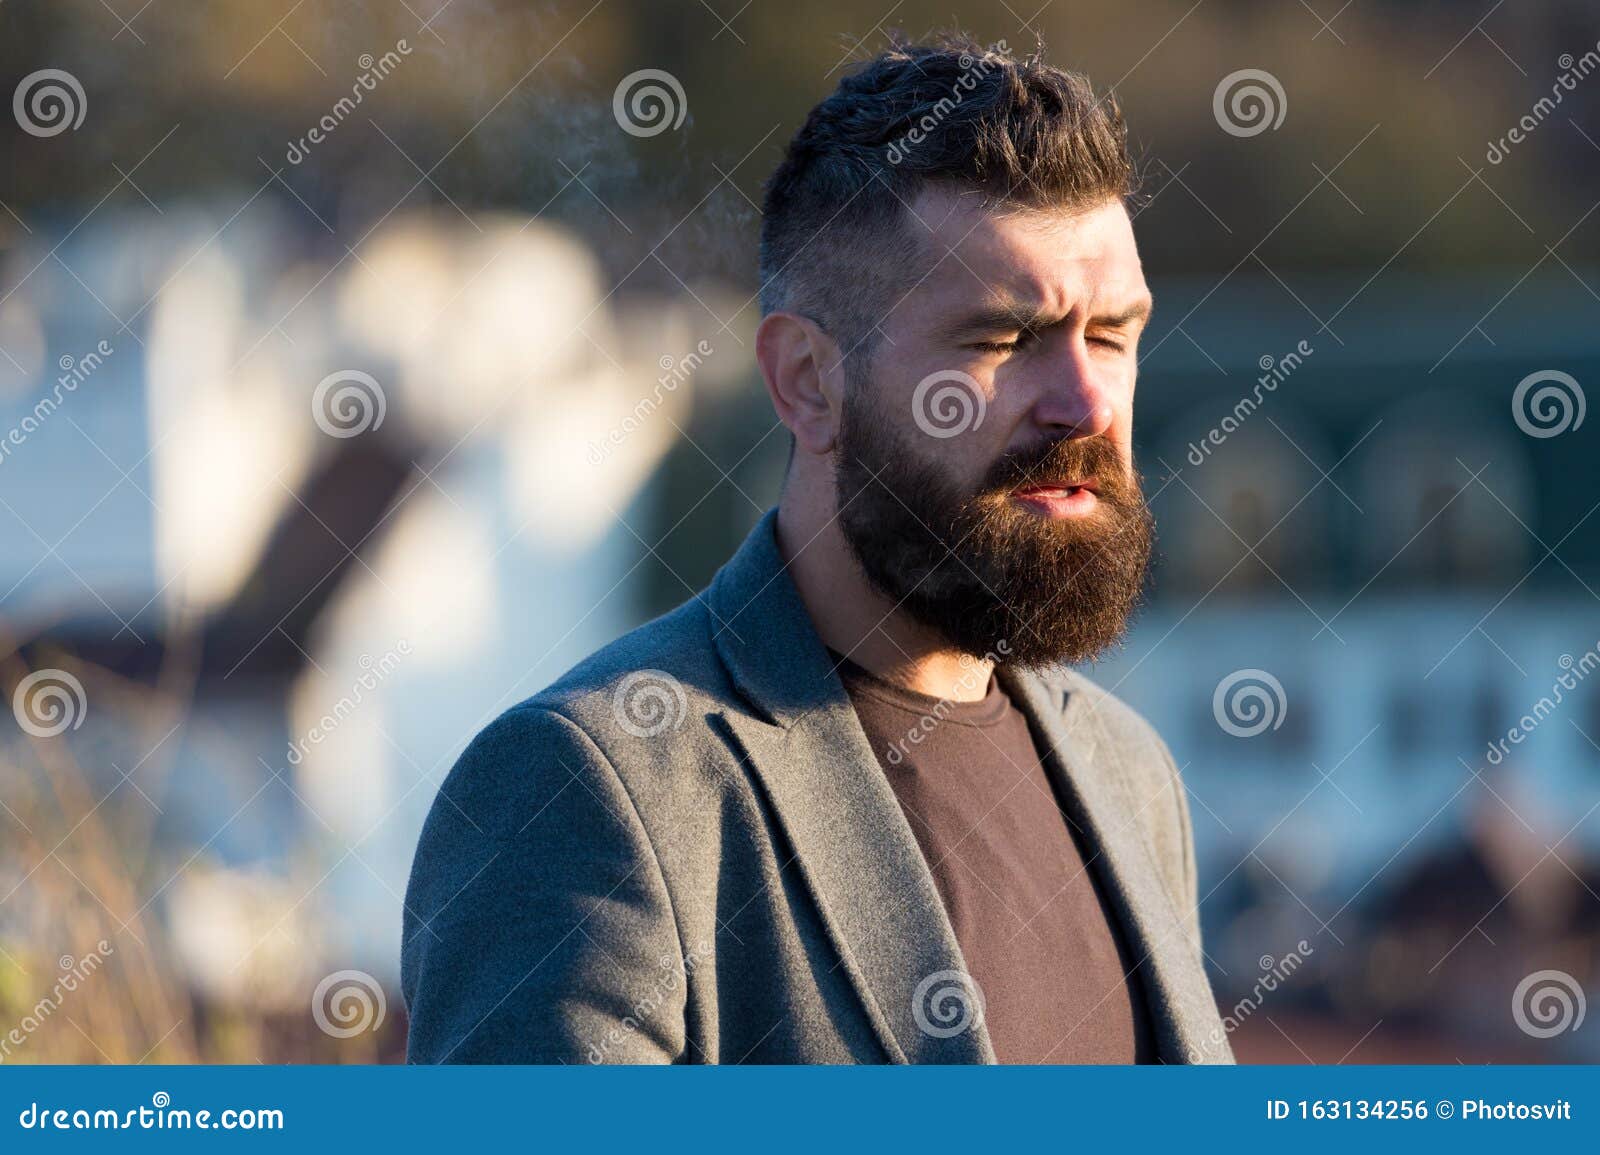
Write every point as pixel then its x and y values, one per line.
pixel 1055 258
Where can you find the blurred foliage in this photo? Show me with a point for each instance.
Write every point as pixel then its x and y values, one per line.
pixel 85 875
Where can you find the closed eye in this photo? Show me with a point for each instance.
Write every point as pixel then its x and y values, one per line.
pixel 1021 341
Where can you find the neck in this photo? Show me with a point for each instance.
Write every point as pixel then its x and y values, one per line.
pixel 852 617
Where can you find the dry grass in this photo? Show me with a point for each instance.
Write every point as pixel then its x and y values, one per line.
pixel 84 863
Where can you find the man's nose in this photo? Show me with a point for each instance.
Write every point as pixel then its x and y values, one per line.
pixel 1072 402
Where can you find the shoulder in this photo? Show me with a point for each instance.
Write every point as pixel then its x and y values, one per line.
pixel 630 711
pixel 654 684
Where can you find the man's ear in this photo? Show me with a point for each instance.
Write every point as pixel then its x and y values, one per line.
pixel 803 370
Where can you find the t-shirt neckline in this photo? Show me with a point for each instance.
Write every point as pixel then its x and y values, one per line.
pixel 986 711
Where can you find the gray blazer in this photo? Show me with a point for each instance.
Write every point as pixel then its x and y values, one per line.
pixel 685 851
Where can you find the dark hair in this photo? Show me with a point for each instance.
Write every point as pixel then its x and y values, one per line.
pixel 834 245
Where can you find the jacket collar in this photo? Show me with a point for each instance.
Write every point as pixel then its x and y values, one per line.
pixel 858 854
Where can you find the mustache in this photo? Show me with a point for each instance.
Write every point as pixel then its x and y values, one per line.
pixel 1059 462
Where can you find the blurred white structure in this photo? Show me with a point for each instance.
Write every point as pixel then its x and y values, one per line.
pixel 534 407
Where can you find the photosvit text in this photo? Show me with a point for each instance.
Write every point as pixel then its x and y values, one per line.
pixel 1469 1109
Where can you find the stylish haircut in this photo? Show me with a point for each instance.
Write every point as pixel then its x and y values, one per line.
pixel 837 238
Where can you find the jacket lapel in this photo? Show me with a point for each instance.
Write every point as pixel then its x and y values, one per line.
pixel 861 862
pixel 852 844
pixel 1182 1007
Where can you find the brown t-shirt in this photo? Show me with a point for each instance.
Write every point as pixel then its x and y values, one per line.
pixel 1058 982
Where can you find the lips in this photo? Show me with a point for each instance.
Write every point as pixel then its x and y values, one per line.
pixel 1063 489
pixel 1058 501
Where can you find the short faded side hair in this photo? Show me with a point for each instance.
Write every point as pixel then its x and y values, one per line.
pixel 836 239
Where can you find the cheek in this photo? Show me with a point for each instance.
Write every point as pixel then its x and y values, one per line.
pixel 1121 434
pixel 949 406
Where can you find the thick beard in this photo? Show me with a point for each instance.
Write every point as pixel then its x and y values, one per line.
pixel 989 577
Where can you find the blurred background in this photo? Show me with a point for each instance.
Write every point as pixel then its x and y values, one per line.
pixel 365 365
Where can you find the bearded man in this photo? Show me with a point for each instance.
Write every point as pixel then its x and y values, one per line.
pixel 849 804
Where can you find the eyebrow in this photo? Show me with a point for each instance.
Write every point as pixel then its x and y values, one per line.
pixel 1025 315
